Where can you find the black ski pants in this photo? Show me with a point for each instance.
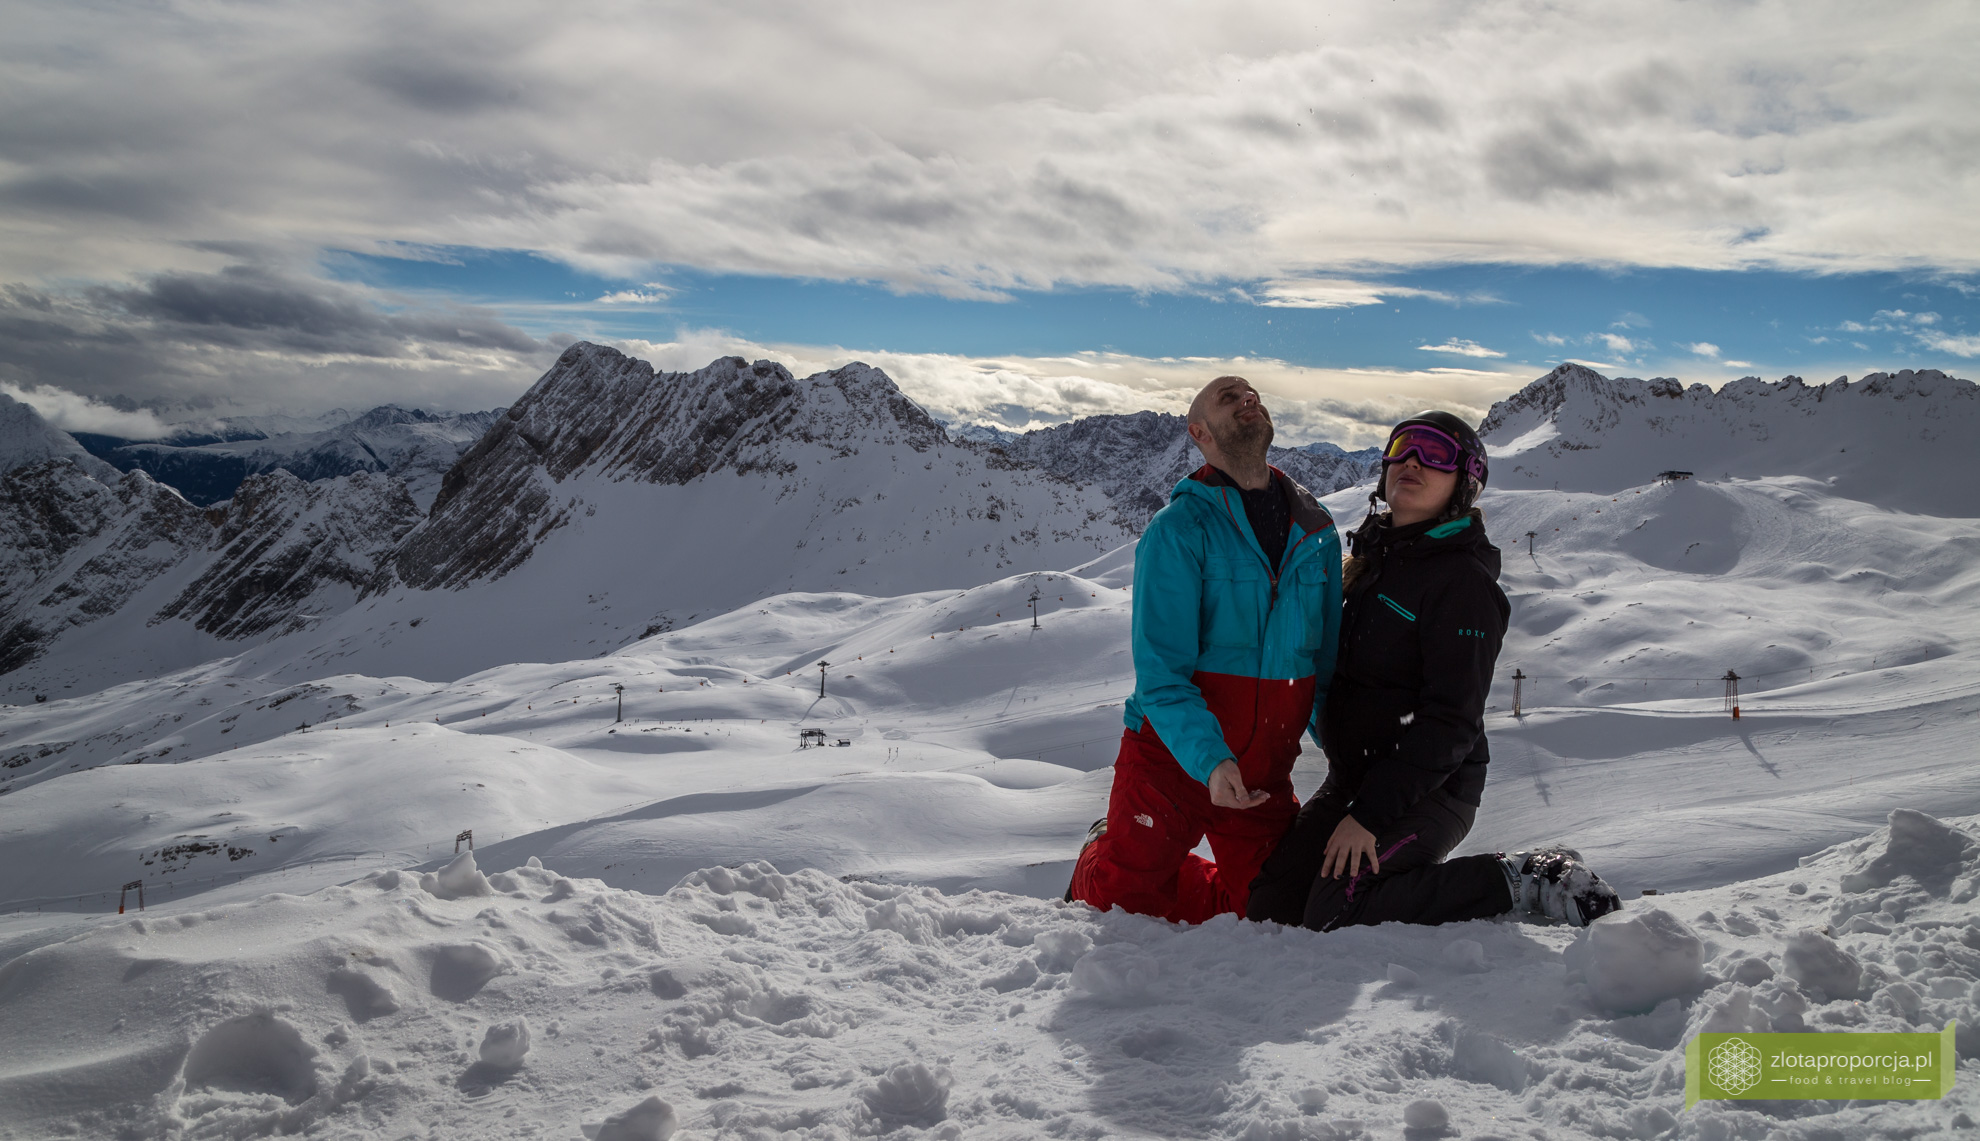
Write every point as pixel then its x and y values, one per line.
pixel 1415 885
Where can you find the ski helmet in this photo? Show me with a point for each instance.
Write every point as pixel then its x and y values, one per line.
pixel 1470 459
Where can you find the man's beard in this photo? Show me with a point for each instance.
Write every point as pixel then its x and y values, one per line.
pixel 1241 441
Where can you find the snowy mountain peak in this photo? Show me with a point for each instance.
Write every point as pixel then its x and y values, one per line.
pixel 1570 385
pixel 1879 440
pixel 846 442
pixel 26 438
pixel 597 407
pixel 388 415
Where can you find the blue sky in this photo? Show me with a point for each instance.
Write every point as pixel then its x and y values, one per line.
pixel 1765 322
pixel 1025 212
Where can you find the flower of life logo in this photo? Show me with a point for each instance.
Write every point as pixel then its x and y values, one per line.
pixel 1734 1066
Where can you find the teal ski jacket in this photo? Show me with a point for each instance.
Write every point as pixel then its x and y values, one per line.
pixel 1232 655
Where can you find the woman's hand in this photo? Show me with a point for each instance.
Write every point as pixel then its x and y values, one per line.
pixel 1345 848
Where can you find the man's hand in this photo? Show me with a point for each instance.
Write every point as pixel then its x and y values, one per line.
pixel 1345 848
pixel 1227 789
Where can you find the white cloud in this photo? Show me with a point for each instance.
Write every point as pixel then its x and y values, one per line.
pixel 72 412
pixel 1617 343
pixel 1737 364
pixel 1351 407
pixel 1922 329
pixel 1461 348
pixel 1142 143
pixel 1959 346
pixel 1326 293
pixel 1703 349
pixel 1554 339
pixel 650 295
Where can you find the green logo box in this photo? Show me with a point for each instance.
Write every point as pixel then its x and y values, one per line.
pixel 1832 1066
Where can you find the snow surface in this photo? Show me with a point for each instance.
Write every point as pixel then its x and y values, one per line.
pixel 749 1002
pixel 684 924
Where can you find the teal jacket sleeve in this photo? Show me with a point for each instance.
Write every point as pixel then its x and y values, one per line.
pixel 1168 597
pixel 1330 641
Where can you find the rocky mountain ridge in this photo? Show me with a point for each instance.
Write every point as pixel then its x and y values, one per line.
pixel 1894 439
pixel 279 556
pixel 613 502
pixel 608 503
pixel 1137 458
pixel 607 417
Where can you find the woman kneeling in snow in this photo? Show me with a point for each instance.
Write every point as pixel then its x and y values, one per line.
pixel 1404 722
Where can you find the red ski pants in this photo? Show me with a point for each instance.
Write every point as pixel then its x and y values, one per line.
pixel 1156 816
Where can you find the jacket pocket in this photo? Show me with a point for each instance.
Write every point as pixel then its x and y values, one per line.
pixel 1309 586
pixel 1234 593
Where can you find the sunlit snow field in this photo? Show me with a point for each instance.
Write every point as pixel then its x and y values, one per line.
pixel 886 952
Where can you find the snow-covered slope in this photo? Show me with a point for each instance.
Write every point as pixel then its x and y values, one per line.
pixel 747 1001
pixel 1136 459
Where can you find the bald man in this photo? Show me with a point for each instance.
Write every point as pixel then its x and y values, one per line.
pixel 1237 602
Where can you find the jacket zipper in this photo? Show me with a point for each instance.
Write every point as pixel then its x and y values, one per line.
pixel 1272 575
pixel 1258 683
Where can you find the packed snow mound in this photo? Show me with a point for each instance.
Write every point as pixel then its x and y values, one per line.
pixel 1924 849
pixel 1894 440
pixel 1634 960
pixel 748 1001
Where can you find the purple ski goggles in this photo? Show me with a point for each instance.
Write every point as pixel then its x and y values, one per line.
pixel 1433 448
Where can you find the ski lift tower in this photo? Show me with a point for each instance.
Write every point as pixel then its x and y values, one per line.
pixel 1732 693
pixel 821 678
pixel 620 691
pixel 1035 596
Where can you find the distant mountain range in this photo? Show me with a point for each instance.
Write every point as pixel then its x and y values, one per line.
pixel 1137 459
pixel 612 502
pixel 413 446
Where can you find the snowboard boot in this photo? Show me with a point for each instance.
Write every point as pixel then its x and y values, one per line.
pixel 1555 883
pixel 1094 831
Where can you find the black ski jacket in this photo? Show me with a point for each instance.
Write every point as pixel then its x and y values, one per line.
pixel 1420 635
